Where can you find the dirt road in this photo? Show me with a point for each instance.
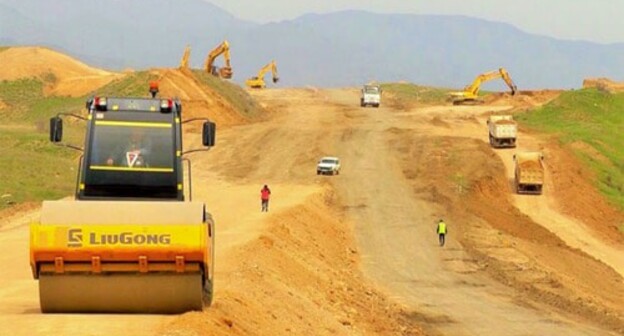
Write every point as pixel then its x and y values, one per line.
pixel 395 232
pixel 350 254
pixel 544 209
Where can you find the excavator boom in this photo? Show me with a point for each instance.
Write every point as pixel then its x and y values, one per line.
pixel 257 82
pixel 184 62
pixel 471 92
pixel 225 71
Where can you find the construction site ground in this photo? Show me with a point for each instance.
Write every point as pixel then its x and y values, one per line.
pixel 357 253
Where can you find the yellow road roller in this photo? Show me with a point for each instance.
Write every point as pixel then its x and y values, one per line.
pixel 132 240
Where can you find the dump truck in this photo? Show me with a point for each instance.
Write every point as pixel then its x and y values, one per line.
pixel 370 95
pixel 132 240
pixel 503 130
pixel 529 172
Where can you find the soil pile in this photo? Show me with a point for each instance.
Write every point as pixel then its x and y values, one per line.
pixel 603 84
pixel 62 74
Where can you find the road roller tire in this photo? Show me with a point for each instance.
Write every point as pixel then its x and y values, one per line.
pixel 151 293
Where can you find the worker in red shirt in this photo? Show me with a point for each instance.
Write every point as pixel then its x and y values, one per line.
pixel 265 193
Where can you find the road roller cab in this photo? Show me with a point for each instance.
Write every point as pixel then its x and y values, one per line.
pixel 132 240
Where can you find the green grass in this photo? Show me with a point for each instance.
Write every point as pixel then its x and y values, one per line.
pixel 131 85
pixel 234 94
pixel 32 168
pixel 26 103
pixel 20 92
pixel 409 94
pixel 43 109
pixel 595 119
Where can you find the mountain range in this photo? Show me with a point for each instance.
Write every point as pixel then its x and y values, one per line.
pixel 338 49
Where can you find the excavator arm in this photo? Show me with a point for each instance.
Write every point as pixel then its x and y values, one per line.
pixel 221 49
pixel 184 62
pixel 471 92
pixel 257 82
pixel 508 81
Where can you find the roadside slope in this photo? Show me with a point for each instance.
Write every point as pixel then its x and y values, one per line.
pixel 65 76
pixel 555 261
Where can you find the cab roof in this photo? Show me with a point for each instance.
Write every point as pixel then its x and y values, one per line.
pixel 135 104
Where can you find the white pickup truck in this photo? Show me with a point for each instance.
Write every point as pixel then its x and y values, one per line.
pixel 328 165
pixel 371 96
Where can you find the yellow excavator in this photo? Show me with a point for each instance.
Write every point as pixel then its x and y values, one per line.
pixel 224 72
pixel 184 62
pixel 257 82
pixel 470 95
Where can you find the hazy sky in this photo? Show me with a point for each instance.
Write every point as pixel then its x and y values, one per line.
pixel 592 20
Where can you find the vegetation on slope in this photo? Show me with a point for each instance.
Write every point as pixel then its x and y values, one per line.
pixel 590 123
pixel 131 85
pixel 404 95
pixel 240 100
pixel 32 169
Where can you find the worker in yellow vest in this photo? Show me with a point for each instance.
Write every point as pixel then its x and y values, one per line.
pixel 441 230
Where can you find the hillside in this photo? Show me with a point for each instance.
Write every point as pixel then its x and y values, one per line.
pixel 38 83
pixel 588 123
pixel 64 76
pixel 338 49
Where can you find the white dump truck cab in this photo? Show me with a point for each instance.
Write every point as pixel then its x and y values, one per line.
pixel 502 130
pixel 370 96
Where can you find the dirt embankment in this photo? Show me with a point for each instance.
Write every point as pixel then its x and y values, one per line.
pixel 578 196
pixel 465 176
pixel 198 99
pixel 63 75
pixel 603 84
pixel 299 277
pixel 523 99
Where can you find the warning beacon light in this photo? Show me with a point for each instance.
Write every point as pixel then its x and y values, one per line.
pixel 153 88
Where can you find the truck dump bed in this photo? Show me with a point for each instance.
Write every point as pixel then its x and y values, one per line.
pixel 529 172
pixel 503 131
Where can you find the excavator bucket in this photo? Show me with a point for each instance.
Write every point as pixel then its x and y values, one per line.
pixel 122 257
